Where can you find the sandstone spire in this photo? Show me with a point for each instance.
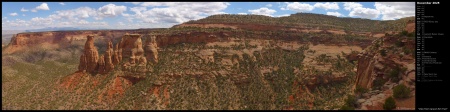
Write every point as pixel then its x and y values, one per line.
pixel 101 65
pixel 91 54
pixel 83 63
pixel 151 51
pixel 115 58
pixel 109 66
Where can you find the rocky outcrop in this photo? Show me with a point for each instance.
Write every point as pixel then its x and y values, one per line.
pixel 151 51
pixel 101 65
pixel 131 49
pixel 108 57
pixel 115 58
pixel 91 55
pixel 119 52
pixel 382 58
pixel 82 66
pixel 137 52
pixel 364 72
pixel 410 26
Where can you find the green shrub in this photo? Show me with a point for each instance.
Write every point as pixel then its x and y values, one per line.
pixel 378 83
pixel 399 44
pixel 345 107
pixel 383 52
pixel 389 104
pixel 393 74
pixel 360 89
pixel 407 51
pixel 412 34
pixel 350 101
pixel 404 33
pixel 401 91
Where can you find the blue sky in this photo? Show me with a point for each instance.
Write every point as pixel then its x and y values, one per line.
pixel 132 15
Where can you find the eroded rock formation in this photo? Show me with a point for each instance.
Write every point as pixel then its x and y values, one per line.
pixel 129 49
pixel 91 55
pixel 151 51
pixel 115 57
pixel 82 65
pixel 108 57
pixel 364 72
pixel 101 65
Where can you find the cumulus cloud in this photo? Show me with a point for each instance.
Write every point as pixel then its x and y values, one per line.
pixel 351 5
pixel 263 11
pixel 327 6
pixel 33 10
pixel 175 12
pixel 395 10
pixel 23 10
pixel 43 6
pixel 337 14
pixel 111 10
pixel 364 13
pixel 13 14
pixel 242 13
pixel 75 14
pixel 41 21
pixel 61 3
pixel 299 7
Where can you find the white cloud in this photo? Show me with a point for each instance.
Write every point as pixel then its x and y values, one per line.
pixel 282 15
pixel 13 14
pixel 111 10
pixel 263 11
pixel 395 10
pixel 43 6
pixel 351 5
pixel 41 21
pixel 23 10
pixel 335 14
pixel 327 6
pixel 75 14
pixel 269 5
pixel 153 4
pixel 121 23
pixel 175 12
pixel 23 14
pixel 83 22
pixel 61 3
pixel 299 7
pixel 135 3
pixel 33 10
pixel 138 10
pixel 364 13
pixel 242 13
